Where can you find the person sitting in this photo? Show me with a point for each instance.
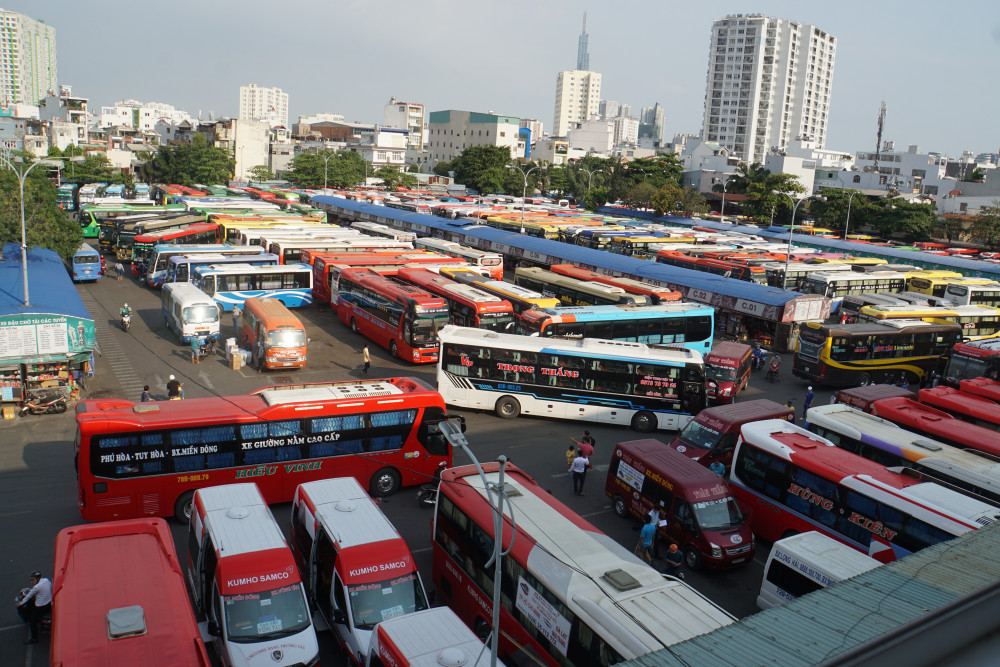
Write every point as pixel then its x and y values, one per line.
pixel 674 561
pixel 35 604
pixel 125 310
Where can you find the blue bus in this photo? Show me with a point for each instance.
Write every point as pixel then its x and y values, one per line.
pixel 114 190
pixel 181 267
pixel 159 257
pixel 66 196
pixel 687 325
pixel 85 264
pixel 232 284
pixel 141 191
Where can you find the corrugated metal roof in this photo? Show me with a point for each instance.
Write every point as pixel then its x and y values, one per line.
pixel 834 620
pixel 50 289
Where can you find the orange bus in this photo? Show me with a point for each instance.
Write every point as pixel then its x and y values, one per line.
pixel 656 295
pixel 103 573
pixel 754 274
pixel 147 459
pixel 281 334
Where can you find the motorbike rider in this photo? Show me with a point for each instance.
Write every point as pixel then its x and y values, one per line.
pixel 125 310
pixel 35 604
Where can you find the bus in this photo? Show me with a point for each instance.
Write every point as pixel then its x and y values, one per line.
pixel 792 481
pixel 469 306
pixel 85 264
pixel 977 322
pixel 967 407
pixel 679 324
pixel 643 246
pixel 865 353
pixel 361 244
pixel 797 272
pixel 981 387
pixel 970 294
pixel 88 193
pixel 375 229
pixel 521 298
pixel 289 250
pixel 970 471
pixel 114 190
pixel 754 274
pixel 605 381
pixel 92 216
pixel 926 420
pixel 835 285
pixel 569 594
pixel 327 267
pixel 656 295
pixel 147 459
pixel 140 191
pixel 232 284
pixel 573 292
pixel 938 286
pixel 66 196
pixel 402 318
pixel 118 598
pixel 180 268
pixel 435 634
pixel 143 244
pixel 491 261
pixel 973 359
pixel 851 305
pixel 159 258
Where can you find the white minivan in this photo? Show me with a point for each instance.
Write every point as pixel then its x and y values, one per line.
pixel 805 563
pixel 190 312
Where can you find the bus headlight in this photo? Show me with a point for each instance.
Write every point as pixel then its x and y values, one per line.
pixel 727 391
pixel 716 551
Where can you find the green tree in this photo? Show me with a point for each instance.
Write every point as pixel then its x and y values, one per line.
pixel 666 199
pixel 986 225
pixel 898 217
pixel 344 169
pixel 775 193
pixel 692 202
pixel 483 168
pixel 260 172
pixel 94 168
pixel 832 213
pixel 45 224
pixel 746 174
pixel 597 196
pixel 192 163
pixel 390 175
pixel 639 195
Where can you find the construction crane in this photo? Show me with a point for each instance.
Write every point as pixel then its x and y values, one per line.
pixel 878 137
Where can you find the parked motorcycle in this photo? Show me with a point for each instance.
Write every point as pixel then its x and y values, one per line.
pixel 126 322
pixel 206 348
pixel 48 400
pixel 427 493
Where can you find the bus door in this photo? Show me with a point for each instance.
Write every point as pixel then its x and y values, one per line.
pixel 321 575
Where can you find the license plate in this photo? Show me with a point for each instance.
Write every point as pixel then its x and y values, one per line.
pixel 738 560
pixel 805 369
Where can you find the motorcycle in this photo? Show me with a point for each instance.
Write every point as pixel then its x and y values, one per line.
pixel 126 321
pixel 48 400
pixel 206 348
pixel 45 624
pixel 427 495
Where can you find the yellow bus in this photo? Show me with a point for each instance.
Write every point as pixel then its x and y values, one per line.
pixel 638 246
pixel 977 322
pixel 937 286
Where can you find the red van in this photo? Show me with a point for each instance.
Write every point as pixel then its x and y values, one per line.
pixel 702 516
pixel 711 436
pixel 727 371
pixel 863 397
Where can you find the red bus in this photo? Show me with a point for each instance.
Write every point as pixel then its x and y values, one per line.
pixel 147 459
pixel 101 573
pixel 981 387
pixel 711 436
pixel 323 281
pixel 792 481
pixel 924 245
pixel 973 359
pixel 925 420
pixel 754 274
pixel 973 409
pixel 570 596
pixel 863 398
pixel 402 318
pixel 727 370
pixel 656 295
pixel 468 305
pixel 200 232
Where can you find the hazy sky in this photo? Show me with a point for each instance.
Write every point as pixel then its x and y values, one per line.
pixel 934 64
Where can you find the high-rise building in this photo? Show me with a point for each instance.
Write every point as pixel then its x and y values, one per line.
pixel 452 131
pixel 269 105
pixel 582 54
pixel 769 82
pixel 406 116
pixel 29 68
pixel 651 122
pixel 578 97
pixel 607 109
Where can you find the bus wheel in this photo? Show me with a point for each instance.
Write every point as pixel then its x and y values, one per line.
pixel 393 348
pixel 354 325
pixel 182 508
pixel 621 509
pixel 864 380
pixel 692 558
pixel 507 407
pixel 644 421
pixel 384 483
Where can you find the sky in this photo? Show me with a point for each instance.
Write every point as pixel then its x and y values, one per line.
pixel 934 64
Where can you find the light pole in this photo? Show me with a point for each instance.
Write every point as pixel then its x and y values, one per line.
pixel 722 211
pixel 326 161
pixel 524 192
pixel 848 223
pixel 788 252
pixel 21 175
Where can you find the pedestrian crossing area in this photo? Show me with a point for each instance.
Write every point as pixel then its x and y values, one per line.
pixel 111 351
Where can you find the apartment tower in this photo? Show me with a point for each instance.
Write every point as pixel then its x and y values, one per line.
pixel 29 59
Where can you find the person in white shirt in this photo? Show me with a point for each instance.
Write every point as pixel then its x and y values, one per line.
pixel 35 604
pixel 579 470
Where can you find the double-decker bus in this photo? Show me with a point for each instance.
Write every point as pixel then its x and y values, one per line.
pixel 835 285
pixel 491 261
pixel 967 407
pixel 159 258
pixel 569 595
pixel 966 294
pixel 147 459
pixel 926 420
pixel 521 298
pixel 469 306
pixel 180 269
pixel 936 286
pixel 573 292
pixel 232 284
pixel 402 318
pixel 754 274
pixel 66 196
pixel 375 229
pixel 865 353
pixel 656 295
pixel 970 471
pixel 680 324
pixel 605 381
pixel 143 244
pixel 792 481
pixel 973 359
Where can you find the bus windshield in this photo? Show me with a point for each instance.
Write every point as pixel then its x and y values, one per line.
pixel 201 314
pixel 720 373
pixel 381 600
pixel 718 514
pixel 498 321
pixel 286 338
pixel 257 617
pixel 423 330
pixel 700 436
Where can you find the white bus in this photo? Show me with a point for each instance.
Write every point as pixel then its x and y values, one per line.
pixel 375 229
pixel 429 637
pixel 492 261
pixel 962 294
pixel 189 312
pixel 837 284
pixel 613 382
pixel 232 284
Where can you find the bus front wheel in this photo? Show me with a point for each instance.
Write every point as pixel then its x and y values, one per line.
pixel 621 509
pixel 393 348
pixel 508 407
pixel 865 380
pixel 354 325
pixel 644 421
pixel 692 558
pixel 384 483
pixel 182 508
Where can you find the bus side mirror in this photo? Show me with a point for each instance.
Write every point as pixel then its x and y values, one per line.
pixel 339 616
pixel 213 629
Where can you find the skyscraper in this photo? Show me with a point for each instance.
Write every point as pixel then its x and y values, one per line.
pixel 264 104
pixel 578 97
pixel 582 55
pixel 29 70
pixel 651 120
pixel 769 82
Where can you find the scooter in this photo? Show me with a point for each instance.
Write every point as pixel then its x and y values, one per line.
pixel 206 348
pixel 45 625
pixel 126 322
pixel 44 401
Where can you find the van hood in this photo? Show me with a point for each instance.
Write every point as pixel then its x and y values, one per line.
pixel 298 649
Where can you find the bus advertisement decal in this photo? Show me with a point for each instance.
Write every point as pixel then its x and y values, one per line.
pixel 543 615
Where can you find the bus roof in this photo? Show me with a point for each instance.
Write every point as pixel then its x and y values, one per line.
pixel 427 638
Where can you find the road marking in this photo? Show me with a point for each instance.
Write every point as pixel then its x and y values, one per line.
pixel 597 513
pixel 112 352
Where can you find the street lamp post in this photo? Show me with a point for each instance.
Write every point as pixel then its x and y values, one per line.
pixel 791 230
pixel 21 176
pixel 848 223
pixel 326 162
pixel 722 211
pixel 524 192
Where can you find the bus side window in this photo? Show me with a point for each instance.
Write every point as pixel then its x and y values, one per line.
pixel 684 516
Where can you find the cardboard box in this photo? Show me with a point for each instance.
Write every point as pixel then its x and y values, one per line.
pixel 9 412
pixel 236 362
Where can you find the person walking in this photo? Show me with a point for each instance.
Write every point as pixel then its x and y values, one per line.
pixel 35 604
pixel 674 561
pixel 578 468
pixel 236 321
pixel 570 455
pixel 586 446
pixel 195 350
pixel 367 358
pixel 935 378
pixel 174 391
pixel 146 396
pixel 119 270
pixel 644 549
pixel 807 401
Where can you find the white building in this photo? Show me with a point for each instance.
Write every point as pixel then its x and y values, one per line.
pixel 139 115
pixel 452 131
pixel 386 147
pixel 269 105
pixel 533 126
pixel 594 136
pixel 607 109
pixel 769 81
pixel 407 116
pixel 28 71
pixel 626 130
pixel 578 98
